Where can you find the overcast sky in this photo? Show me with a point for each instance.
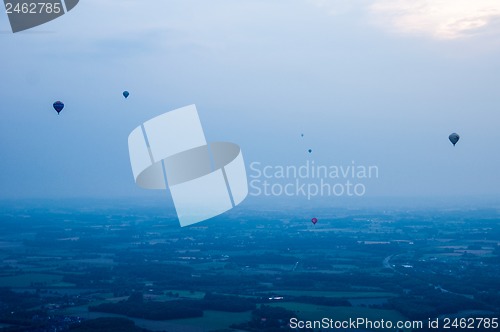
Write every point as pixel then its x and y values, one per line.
pixel 381 82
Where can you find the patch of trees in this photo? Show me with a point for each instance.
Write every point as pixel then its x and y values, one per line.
pixel 107 324
pixel 228 303
pixel 492 297
pixel 92 277
pixel 432 304
pixel 12 301
pixel 135 307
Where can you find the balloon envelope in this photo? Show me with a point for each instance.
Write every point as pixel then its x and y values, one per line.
pixel 126 94
pixel 454 138
pixel 310 150
pixel 314 220
pixel 58 106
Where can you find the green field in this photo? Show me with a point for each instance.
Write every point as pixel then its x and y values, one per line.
pixel 31 280
pixel 346 295
pixel 318 312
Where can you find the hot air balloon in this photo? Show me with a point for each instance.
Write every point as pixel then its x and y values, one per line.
pixel 454 138
pixel 58 106
pixel 126 94
pixel 314 220
pixel 301 135
pixel 310 150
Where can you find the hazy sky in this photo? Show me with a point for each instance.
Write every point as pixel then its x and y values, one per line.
pixel 381 82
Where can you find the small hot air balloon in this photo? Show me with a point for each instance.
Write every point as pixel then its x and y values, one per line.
pixel 126 94
pixel 310 150
pixel 58 106
pixel 314 220
pixel 301 135
pixel 454 138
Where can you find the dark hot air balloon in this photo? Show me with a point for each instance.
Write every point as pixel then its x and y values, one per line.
pixel 310 150
pixel 314 220
pixel 454 138
pixel 58 106
pixel 126 94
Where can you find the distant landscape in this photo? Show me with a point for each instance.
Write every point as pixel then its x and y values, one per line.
pixel 120 267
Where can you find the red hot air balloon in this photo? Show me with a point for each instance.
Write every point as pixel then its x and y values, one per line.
pixel 314 220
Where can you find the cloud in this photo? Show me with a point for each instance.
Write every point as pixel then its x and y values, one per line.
pixel 438 19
